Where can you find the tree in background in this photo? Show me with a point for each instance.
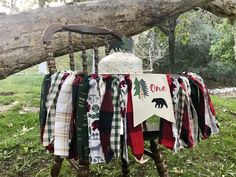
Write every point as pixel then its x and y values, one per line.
pixel 222 48
pixel 194 34
pixel 150 47
pixel 204 44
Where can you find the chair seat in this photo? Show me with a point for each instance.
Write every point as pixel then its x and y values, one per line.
pixel 150 131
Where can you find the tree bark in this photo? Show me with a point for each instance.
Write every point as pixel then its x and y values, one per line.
pixel 21 35
pixel 171 41
pixel 223 8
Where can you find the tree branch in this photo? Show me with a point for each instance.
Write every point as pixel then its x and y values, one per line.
pixel 222 8
pixel 21 35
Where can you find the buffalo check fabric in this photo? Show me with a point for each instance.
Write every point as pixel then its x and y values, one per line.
pixel 116 120
pixel 123 107
pixel 63 118
pixel 48 135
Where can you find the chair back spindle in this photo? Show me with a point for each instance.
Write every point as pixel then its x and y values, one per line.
pixel 71 52
pixel 83 30
pixel 50 58
pixel 106 47
pixel 83 55
pixel 96 57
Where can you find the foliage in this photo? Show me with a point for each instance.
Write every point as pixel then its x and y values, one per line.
pixel 222 47
pixel 193 40
pixel 21 153
pixel 203 41
pixel 149 48
pixel 217 73
pixel 195 32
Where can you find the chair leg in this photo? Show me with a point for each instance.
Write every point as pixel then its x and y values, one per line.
pixel 158 158
pixel 124 163
pixel 83 169
pixel 56 168
pixel 125 167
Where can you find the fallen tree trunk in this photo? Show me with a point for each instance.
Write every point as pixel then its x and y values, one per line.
pixel 21 35
pixel 222 8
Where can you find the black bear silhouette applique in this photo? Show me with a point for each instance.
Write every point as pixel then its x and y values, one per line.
pixel 160 102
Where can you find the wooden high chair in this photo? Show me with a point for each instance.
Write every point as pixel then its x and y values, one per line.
pixel 150 133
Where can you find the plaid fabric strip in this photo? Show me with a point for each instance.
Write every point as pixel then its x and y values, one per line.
pixel 209 112
pixel 180 113
pixel 135 134
pixel 123 105
pixel 43 110
pixel 116 120
pixel 190 126
pixel 48 135
pixel 63 118
pixel 195 128
pixel 192 114
pixel 168 132
pixel 175 98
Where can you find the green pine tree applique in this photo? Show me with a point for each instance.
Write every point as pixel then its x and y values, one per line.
pixel 140 88
pixel 144 88
pixel 136 87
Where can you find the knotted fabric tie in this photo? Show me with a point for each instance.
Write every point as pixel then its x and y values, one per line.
pixel 105 121
pixel 81 120
pixel 63 118
pixel 123 108
pixel 135 134
pixel 48 135
pixel 116 120
pixel 43 110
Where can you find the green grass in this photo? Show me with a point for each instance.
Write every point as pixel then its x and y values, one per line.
pixel 21 153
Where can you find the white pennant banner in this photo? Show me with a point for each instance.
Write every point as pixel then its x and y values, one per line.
pixel 151 96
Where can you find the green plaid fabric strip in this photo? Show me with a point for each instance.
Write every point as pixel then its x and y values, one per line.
pixel 116 121
pixel 48 135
